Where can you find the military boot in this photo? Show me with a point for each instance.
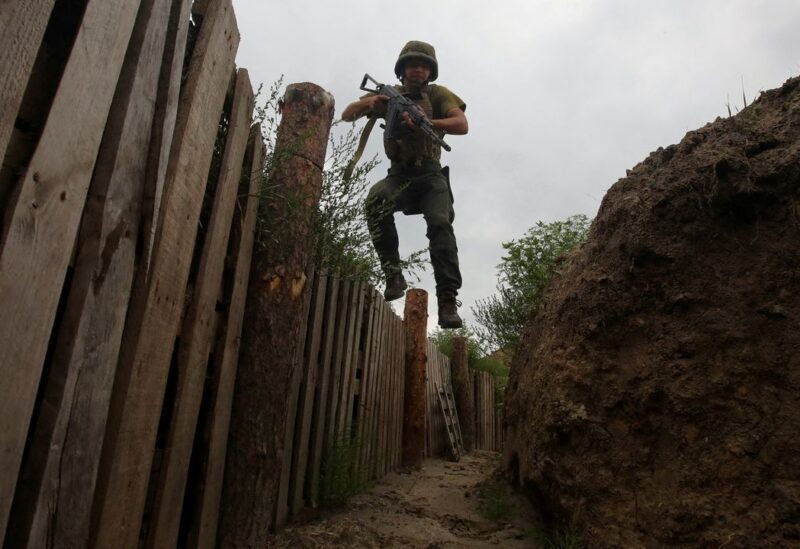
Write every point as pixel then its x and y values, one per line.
pixel 395 287
pixel 448 311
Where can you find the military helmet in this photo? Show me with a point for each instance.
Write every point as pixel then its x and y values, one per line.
pixel 417 50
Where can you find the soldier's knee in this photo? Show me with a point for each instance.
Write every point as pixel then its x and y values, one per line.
pixel 438 223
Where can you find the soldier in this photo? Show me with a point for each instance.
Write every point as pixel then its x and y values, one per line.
pixel 416 182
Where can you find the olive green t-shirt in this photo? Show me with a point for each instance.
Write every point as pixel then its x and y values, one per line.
pixel 443 101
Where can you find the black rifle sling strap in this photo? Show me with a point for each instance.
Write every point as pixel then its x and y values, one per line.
pixel 362 143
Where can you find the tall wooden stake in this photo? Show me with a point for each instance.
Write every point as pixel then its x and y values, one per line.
pixel 416 323
pixel 274 313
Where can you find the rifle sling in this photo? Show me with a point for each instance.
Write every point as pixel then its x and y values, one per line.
pixel 362 143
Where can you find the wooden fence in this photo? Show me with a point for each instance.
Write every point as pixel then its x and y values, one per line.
pixel 488 415
pixel 126 242
pixel 347 399
pixel 128 201
pixel 437 372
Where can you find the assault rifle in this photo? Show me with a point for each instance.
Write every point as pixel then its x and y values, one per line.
pixel 398 104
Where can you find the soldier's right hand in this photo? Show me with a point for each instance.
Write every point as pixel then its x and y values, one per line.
pixel 377 104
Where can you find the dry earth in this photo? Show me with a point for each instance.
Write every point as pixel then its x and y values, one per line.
pixel 435 508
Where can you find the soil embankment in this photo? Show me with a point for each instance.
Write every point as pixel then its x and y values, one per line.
pixel 656 397
pixel 444 506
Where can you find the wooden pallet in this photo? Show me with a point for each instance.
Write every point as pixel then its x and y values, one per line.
pixel 453 428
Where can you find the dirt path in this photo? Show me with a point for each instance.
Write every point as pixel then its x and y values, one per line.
pixel 446 505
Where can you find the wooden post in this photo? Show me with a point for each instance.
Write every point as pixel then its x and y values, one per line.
pixel 274 318
pixel 416 324
pixel 462 391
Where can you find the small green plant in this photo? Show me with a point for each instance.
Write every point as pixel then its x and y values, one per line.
pixel 342 477
pixel 562 537
pixel 496 502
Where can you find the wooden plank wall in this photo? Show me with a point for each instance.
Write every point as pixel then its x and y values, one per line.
pixel 488 415
pixel 349 392
pixel 100 202
pixel 437 372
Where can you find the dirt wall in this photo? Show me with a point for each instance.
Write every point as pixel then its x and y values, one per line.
pixel 656 396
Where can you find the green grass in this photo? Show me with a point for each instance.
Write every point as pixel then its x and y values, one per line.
pixel 496 502
pixel 561 537
pixel 342 477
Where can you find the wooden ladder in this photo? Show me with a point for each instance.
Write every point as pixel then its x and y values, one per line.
pixel 451 421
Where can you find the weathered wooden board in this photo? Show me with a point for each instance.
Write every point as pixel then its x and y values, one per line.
pixel 400 368
pixel 305 408
pixel 355 324
pixel 362 432
pixel 206 534
pixel 23 23
pixel 153 322
pixel 375 408
pixel 346 296
pixel 321 397
pixel 164 125
pixel 60 474
pixel 198 331
pixel 370 435
pixel 43 226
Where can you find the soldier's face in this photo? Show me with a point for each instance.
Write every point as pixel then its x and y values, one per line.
pixel 416 72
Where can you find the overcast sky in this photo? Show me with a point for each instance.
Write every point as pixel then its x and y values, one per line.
pixel 562 95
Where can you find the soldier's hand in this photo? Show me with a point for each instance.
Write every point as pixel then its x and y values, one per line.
pixel 410 121
pixel 377 104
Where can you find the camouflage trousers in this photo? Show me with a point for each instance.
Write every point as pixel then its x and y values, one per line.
pixel 415 189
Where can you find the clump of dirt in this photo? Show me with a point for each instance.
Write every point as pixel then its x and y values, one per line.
pixel 444 506
pixel 656 395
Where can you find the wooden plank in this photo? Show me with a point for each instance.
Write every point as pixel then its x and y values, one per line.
pixel 60 475
pixel 321 398
pixel 199 326
pixel 354 325
pixel 163 126
pixel 306 408
pixel 380 454
pixel 282 498
pixel 372 406
pixel 153 321
pixel 368 372
pixel 43 226
pixel 206 535
pixel 331 436
pixel 432 378
pixel 390 395
pixel 387 399
pixel 401 363
pixel 23 23
pixel 365 347
pixel 374 447
pixel 479 408
pixel 486 410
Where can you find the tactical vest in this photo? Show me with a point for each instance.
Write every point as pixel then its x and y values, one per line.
pixel 411 146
